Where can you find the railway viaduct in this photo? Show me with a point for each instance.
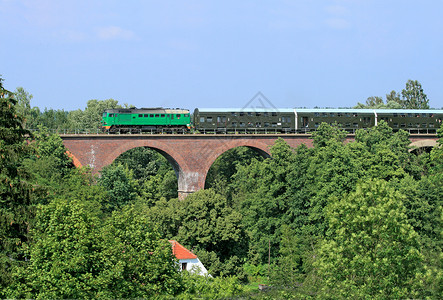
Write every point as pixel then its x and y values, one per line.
pixel 190 155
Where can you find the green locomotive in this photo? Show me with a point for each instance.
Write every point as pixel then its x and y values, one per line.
pixel 145 119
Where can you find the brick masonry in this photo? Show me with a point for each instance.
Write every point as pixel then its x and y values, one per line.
pixel 191 156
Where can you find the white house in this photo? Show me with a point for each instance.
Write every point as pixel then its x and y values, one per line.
pixel 188 260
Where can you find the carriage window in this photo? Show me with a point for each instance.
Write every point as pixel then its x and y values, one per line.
pixel 209 119
pixel 258 114
pixel 151 115
pixel 265 114
pixel 257 124
pixel 242 114
pixel 157 115
pixel 111 115
pixel 266 124
pixel 202 119
pixel 355 125
pixel 178 116
pixel 249 114
pixel 274 114
pixel 286 119
pixel 140 116
pixel 274 125
pixel 234 124
pixel 162 115
pixel 242 124
pixel 395 125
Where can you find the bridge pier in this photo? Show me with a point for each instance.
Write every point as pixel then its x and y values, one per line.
pixel 190 181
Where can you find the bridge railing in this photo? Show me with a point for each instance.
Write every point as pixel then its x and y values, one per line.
pixel 412 131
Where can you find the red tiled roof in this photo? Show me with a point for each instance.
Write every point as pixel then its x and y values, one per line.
pixel 181 252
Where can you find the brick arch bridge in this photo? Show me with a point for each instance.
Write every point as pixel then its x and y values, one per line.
pixel 191 156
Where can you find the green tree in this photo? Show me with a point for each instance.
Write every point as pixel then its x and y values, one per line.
pixel 393 100
pixel 205 223
pixel 49 165
pixel 65 254
pixel 413 96
pixel 51 145
pixel 144 162
pixel 326 134
pixel 374 102
pixel 23 104
pixel 137 261
pixel 16 206
pixel 205 287
pixel 261 195
pixel 220 174
pixel 371 250
pixel 153 173
pixel 76 255
pixel 90 117
pixel 119 185
pixel 156 187
pixel 209 225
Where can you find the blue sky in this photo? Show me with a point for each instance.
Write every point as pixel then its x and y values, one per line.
pixel 301 53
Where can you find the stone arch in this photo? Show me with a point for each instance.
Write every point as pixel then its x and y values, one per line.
pixel 172 156
pixel 260 147
pixel 425 145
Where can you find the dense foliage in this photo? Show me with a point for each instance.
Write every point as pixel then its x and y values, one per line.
pixel 340 220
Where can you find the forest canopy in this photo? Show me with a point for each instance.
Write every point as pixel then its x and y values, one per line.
pixel 339 220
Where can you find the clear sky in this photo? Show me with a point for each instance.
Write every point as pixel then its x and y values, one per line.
pixel 300 53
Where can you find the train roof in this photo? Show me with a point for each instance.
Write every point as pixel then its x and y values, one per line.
pixel 245 109
pixel 321 110
pixel 368 110
pixel 155 110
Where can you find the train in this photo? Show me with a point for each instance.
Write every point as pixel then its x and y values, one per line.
pixel 265 120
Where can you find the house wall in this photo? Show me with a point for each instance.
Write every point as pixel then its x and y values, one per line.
pixel 194 264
